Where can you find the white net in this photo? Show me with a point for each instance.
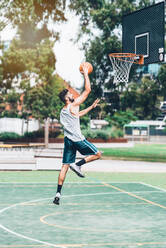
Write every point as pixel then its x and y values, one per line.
pixel 121 64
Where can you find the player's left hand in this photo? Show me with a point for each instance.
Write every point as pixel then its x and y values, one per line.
pixel 84 70
pixel 95 103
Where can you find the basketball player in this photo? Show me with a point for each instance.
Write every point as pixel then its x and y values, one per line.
pixel 73 138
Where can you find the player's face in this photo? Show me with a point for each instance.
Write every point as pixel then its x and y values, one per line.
pixel 70 97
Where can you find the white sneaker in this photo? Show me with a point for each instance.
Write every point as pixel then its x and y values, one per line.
pixel 76 169
pixel 58 195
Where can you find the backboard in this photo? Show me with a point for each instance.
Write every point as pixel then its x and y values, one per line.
pixel 143 33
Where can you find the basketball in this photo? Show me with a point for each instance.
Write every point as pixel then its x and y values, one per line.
pixel 88 66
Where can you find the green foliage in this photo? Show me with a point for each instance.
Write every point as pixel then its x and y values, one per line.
pixel 118 132
pixel 104 134
pixel 42 101
pixel 119 119
pixel 148 102
pixel 28 136
pixel 142 99
pixel 106 18
pixel 24 63
pixel 28 14
pixel 9 113
pixel 13 97
pixel 2 104
pixel 40 134
pixel 95 134
pixel 162 81
pixel 84 121
pixel 30 57
pixel 10 99
pixel 9 136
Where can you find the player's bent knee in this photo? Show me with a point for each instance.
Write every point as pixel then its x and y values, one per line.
pixel 98 155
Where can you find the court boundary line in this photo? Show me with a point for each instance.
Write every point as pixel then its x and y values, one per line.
pixel 43 199
pixel 155 187
pixel 69 182
pixel 21 246
pixel 135 196
pixel 95 245
pixel 21 235
pixel 37 200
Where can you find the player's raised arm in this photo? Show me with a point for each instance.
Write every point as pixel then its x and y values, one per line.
pixel 87 90
pixel 85 111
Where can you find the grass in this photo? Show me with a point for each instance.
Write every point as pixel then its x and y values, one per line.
pixel 141 152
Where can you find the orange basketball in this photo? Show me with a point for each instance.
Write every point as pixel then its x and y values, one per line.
pixel 88 66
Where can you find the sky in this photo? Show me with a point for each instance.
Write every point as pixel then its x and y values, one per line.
pixel 68 55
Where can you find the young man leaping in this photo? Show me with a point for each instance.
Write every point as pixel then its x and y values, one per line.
pixel 73 139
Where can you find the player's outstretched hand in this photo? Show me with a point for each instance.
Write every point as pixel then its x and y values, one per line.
pixel 95 103
pixel 85 69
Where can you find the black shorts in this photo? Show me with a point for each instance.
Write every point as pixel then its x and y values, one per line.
pixel 71 147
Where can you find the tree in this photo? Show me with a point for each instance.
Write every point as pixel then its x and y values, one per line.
pixel 30 58
pixel 119 119
pixel 106 17
pixel 30 15
pixel 20 64
pixel 142 99
pixel 34 40
pixel 43 103
pixel 42 100
pixel 162 81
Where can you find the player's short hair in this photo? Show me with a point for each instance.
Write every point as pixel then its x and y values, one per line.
pixel 62 95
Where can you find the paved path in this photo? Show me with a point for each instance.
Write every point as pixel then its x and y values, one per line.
pixel 119 165
pixel 98 145
pixel 51 159
pixel 125 166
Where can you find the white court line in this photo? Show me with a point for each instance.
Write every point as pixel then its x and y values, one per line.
pixel 155 187
pixel 23 236
pixel 97 182
pixel 43 199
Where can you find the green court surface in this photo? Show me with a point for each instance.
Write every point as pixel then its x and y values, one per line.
pixel 93 212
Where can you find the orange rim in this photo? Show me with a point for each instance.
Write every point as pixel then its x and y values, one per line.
pixel 129 55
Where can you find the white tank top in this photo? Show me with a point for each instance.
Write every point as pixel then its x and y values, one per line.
pixel 71 125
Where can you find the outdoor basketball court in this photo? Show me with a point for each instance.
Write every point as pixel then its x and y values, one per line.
pixel 99 214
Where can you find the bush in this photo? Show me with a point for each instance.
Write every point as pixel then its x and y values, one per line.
pixel 119 119
pixel 9 136
pixel 88 133
pixel 116 133
pixel 103 134
pixel 40 134
pixel 35 134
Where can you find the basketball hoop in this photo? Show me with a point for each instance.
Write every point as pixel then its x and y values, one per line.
pixel 122 62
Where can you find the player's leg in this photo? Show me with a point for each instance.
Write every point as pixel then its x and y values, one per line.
pixel 85 148
pixel 61 179
pixel 91 158
pixel 69 155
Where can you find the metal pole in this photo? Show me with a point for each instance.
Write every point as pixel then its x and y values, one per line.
pixel 46 132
